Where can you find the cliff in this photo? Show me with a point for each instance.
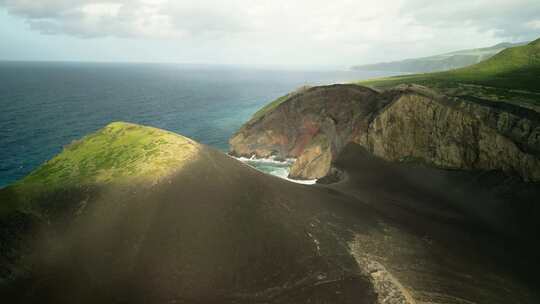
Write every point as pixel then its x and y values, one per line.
pixel 312 126
pixel 407 123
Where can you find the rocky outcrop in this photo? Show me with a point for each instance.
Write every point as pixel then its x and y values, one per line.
pixel 455 134
pixel 312 126
pixel 316 159
pixel 407 123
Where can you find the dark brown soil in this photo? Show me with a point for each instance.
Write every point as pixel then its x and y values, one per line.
pixel 222 232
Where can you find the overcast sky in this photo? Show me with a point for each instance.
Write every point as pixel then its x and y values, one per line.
pixel 274 32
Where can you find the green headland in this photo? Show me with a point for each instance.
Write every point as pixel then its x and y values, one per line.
pixel 119 153
pixel 512 75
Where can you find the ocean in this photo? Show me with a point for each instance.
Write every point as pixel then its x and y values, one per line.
pixel 45 106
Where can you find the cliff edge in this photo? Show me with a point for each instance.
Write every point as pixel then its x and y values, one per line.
pixel 406 123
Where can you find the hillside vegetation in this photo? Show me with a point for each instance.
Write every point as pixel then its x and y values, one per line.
pixel 512 75
pixel 437 63
pixel 272 105
pixel 120 152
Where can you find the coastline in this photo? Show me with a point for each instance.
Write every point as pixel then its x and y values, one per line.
pixel 274 167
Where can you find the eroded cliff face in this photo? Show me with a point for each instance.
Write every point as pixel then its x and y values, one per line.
pixel 455 135
pixel 315 161
pixel 408 123
pixel 312 126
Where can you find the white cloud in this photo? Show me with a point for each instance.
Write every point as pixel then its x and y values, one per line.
pixel 533 24
pixel 279 31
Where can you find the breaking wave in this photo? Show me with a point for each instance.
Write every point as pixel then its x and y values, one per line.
pixel 279 168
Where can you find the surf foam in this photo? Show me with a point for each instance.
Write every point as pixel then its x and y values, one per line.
pixel 279 168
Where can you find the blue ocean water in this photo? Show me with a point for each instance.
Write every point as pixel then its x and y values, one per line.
pixel 45 106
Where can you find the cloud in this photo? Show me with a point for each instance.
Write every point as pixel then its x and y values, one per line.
pixel 124 18
pixel 303 30
pixel 533 24
pixel 167 18
pixel 505 18
pixel 90 18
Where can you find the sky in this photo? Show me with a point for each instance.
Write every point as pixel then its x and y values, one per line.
pixel 337 33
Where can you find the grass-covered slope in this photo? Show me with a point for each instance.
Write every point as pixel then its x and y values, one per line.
pixel 442 62
pixel 274 104
pixel 118 153
pixel 513 74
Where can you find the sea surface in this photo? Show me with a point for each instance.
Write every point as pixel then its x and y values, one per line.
pixel 44 106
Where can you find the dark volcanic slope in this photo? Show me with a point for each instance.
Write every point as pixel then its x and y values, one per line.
pixel 218 231
pixel 446 236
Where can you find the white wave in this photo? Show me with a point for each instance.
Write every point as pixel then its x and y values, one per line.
pixel 277 168
pixel 284 173
pixel 300 181
pixel 270 160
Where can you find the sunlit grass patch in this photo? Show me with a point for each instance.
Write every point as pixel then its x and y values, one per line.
pixel 120 152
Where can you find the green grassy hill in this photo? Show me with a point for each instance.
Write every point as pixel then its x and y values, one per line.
pixel 441 62
pixel 118 153
pixel 511 75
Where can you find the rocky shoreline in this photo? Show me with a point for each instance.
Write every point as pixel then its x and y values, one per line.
pixel 407 123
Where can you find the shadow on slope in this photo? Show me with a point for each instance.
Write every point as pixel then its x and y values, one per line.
pixel 217 231
pixel 450 236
